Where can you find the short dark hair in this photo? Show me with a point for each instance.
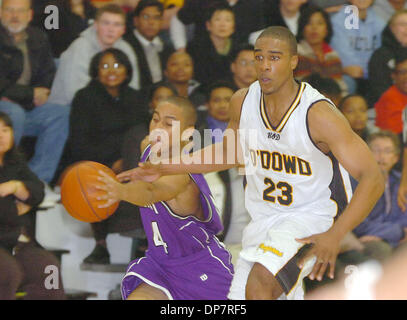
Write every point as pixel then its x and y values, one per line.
pixel 305 17
pixel 187 107
pixel 217 6
pixel 349 96
pixel 281 33
pixel 148 3
pixel 119 55
pixel 219 84
pixel 240 47
pixel 324 85
pixel 162 84
pixel 110 8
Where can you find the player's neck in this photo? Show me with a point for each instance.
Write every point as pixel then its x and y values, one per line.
pixel 282 98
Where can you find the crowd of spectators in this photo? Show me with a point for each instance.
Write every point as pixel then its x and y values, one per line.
pixel 86 89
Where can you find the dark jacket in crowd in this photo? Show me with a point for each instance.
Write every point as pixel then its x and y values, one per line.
pixel 143 69
pixel 209 65
pixel 380 65
pixel 10 221
pixel 99 122
pixel 42 68
pixel 272 13
pixel 248 16
pixel 11 64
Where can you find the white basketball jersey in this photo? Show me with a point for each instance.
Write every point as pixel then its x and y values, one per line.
pixel 286 174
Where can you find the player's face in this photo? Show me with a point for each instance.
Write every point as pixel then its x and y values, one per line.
pixel 159 95
pixel 109 28
pixel 6 138
pixel 399 29
pixel 355 110
pixel 274 63
pixel 111 72
pixel 180 68
pixel 316 29
pixel 361 4
pixel 400 77
pixel 16 15
pixel 218 104
pixel 167 120
pixel 222 24
pixel 385 153
pixel 149 22
pixel 243 68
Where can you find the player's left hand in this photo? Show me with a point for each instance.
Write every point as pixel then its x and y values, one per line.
pixel 325 248
pixel 112 188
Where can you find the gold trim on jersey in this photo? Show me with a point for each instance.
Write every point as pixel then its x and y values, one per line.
pixel 286 116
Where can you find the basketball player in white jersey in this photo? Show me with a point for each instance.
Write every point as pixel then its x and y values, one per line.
pixel 298 194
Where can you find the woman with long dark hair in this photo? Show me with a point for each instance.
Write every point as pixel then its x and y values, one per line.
pixel 22 260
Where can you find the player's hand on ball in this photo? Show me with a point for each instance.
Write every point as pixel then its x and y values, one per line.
pixel 111 187
pixel 325 247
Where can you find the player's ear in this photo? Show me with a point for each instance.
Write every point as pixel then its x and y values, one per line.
pixel 294 61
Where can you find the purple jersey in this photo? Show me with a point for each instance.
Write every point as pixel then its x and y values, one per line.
pixel 184 257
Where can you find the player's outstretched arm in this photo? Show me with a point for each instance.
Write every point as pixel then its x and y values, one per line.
pixel 139 192
pixel 330 131
pixel 215 157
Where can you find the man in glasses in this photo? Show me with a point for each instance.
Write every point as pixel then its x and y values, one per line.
pixel 242 66
pixel 386 221
pixel 26 99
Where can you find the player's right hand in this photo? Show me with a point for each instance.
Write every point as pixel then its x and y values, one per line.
pixel 145 172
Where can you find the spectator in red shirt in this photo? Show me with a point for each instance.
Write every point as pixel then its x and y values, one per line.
pixel 389 108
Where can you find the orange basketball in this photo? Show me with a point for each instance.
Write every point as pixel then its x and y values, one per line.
pixel 79 193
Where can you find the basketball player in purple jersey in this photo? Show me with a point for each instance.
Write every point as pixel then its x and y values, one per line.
pixel 184 259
